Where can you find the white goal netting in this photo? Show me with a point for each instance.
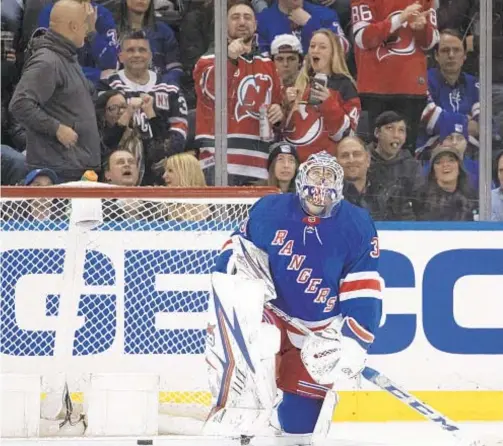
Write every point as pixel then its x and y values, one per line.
pixel 109 285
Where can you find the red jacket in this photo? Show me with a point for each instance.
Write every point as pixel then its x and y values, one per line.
pixel 391 57
pixel 313 128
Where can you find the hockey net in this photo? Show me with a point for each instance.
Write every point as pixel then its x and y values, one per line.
pixel 109 280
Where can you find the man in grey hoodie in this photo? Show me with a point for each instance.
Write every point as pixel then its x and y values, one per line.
pixel 53 98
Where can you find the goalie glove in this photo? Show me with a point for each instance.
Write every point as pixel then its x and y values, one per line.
pixel 252 263
pixel 340 350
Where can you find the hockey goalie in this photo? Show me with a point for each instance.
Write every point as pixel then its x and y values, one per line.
pixel 310 256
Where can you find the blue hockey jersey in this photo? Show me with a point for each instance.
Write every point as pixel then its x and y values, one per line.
pixel 272 22
pixel 444 100
pixel 321 267
pixel 100 49
pixel 165 52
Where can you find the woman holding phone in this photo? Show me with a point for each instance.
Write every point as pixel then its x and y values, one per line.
pixel 323 105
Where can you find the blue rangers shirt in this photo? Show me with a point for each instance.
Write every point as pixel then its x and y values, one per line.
pixel 445 100
pixel 321 267
pixel 273 22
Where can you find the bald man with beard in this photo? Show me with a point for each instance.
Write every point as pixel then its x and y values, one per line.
pixel 53 98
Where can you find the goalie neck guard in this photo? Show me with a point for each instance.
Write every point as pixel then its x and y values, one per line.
pixel 319 184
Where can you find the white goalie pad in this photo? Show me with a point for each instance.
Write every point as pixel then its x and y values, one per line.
pixel 253 263
pixel 240 353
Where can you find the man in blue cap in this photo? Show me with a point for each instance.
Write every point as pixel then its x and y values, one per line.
pixel 41 177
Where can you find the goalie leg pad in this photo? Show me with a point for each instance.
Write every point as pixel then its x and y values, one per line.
pixel 240 358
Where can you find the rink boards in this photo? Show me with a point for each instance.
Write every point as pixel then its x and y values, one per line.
pixel 442 337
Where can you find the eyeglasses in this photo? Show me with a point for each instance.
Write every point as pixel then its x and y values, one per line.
pixel 115 108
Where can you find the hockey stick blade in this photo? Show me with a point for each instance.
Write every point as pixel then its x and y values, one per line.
pixel 426 411
pixel 386 384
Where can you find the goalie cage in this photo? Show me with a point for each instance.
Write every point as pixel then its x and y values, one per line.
pixel 105 289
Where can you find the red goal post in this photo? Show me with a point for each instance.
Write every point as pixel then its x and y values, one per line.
pixel 105 281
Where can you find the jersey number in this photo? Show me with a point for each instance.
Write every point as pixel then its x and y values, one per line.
pixel 375 252
pixel 361 13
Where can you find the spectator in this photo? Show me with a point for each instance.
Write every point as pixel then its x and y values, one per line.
pixel 98 56
pixel 377 197
pixel 497 193
pixel 447 195
pixel 121 169
pixel 13 165
pixel 11 13
pixel 38 209
pixel 321 115
pixel 135 15
pixel 286 52
pixel 252 83
pixel 391 40
pixel 297 17
pixel 343 9
pixel 454 133
pixel 455 14
pixel 354 158
pixel 393 171
pixel 473 44
pixel 114 122
pixel 31 10
pixel 13 133
pixel 159 110
pixel 472 33
pixel 41 177
pixel 114 115
pixel 196 38
pixel 183 170
pixel 282 165
pixel 53 102
pixel 452 94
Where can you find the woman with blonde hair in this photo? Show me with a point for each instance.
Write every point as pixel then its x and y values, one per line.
pixel 324 104
pixel 183 170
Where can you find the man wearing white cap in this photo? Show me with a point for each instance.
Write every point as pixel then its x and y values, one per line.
pixel 286 52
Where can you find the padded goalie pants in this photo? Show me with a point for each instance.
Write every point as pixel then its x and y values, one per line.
pixel 302 398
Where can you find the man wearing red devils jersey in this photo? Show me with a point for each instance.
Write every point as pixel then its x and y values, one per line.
pixel 252 82
pixel 391 38
pixel 312 128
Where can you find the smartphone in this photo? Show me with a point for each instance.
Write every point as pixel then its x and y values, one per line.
pixel 318 79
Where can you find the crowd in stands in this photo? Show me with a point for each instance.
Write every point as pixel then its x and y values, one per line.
pixel 126 88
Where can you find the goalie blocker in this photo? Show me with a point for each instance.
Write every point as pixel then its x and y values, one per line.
pixel 316 256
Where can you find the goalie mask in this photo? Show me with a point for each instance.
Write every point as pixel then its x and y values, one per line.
pixel 319 184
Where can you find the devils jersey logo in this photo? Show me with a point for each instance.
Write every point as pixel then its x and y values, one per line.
pixel 252 92
pixel 306 129
pixel 401 43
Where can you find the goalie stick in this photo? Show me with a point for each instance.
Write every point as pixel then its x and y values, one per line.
pixel 389 386
pixel 426 411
